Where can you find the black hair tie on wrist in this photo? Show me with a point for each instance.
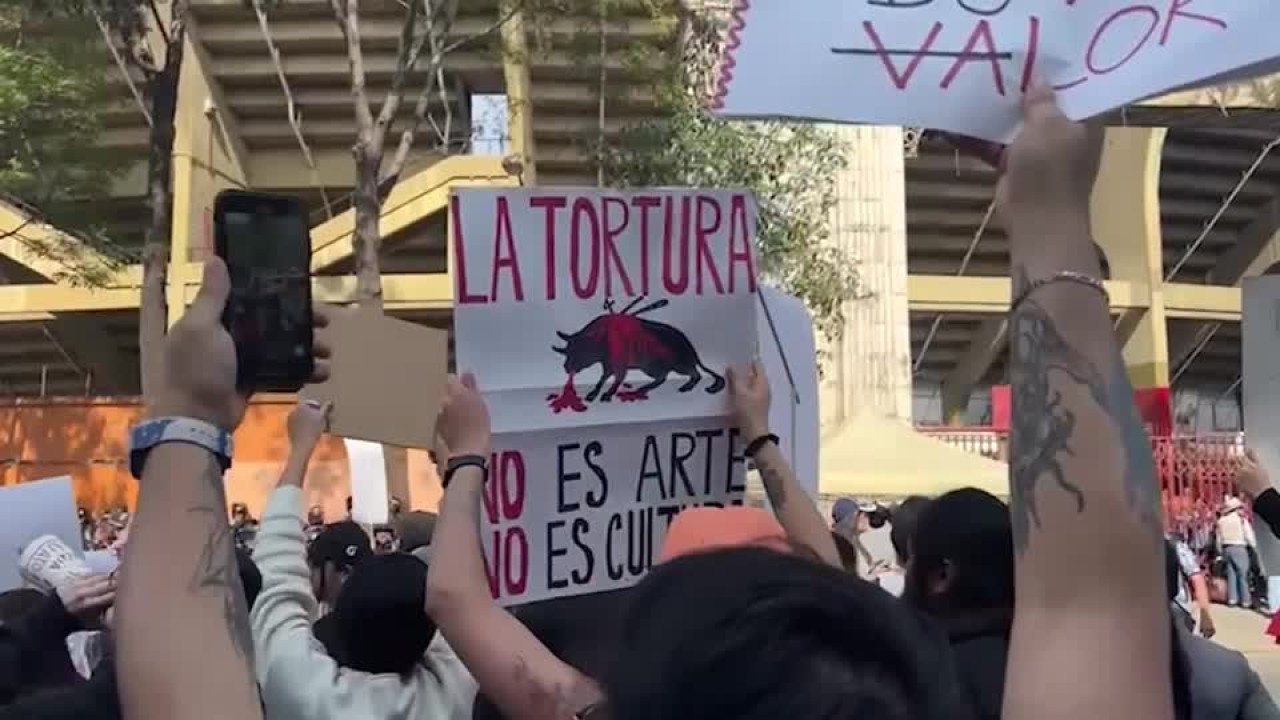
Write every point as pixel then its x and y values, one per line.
pixel 754 446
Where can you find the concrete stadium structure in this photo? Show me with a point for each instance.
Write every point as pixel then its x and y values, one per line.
pixel 1188 204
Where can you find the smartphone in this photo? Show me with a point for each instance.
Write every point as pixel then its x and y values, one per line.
pixel 265 241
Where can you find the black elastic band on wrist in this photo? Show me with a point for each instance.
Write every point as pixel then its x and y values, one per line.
pixel 754 446
pixel 457 463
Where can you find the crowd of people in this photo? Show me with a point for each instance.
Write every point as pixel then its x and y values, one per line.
pixel 1066 602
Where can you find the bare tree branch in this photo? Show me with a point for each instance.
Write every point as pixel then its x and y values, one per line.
pixel 511 12
pixel 355 59
pixel 391 172
pixel 408 50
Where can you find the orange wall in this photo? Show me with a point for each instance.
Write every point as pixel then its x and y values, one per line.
pixel 86 439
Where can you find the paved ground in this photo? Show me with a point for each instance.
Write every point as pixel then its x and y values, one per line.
pixel 1242 630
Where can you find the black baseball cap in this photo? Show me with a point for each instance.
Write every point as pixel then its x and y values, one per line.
pixel 342 543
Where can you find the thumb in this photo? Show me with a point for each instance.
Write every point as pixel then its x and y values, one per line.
pixel 469 381
pixel 1249 453
pixel 215 287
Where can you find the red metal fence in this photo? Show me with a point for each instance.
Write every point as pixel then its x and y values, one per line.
pixel 1195 471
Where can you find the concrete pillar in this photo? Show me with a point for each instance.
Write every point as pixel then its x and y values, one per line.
pixel 869 369
pixel 1126 224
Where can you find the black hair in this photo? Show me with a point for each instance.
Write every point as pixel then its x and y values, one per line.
pixel 967 533
pixel 379 621
pixel 250 577
pixel 752 633
pixel 16 603
pixel 848 553
pixel 904 520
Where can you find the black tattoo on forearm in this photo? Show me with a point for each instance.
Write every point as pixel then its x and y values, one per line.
pixel 217 570
pixel 1042 426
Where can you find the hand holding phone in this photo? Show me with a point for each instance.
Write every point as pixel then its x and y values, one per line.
pixel 265 241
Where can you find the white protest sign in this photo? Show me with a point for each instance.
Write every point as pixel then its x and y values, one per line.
pixel 29 510
pixel 790 360
pixel 963 65
pixel 368 482
pixel 569 513
pixel 589 307
pixel 1260 340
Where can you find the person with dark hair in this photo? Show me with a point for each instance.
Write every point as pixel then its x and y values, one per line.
pixel 382 657
pixel 332 556
pixel 16 603
pixel 33 645
pixel 903 526
pixel 517 671
pixel 961 574
pixel 244 528
pixel 1222 685
pixel 749 633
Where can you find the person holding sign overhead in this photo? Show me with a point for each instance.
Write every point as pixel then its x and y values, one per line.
pixel 513 668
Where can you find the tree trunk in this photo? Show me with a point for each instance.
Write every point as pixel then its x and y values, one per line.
pixel 366 239
pixel 153 307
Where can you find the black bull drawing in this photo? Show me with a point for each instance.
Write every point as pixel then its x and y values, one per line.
pixel 620 342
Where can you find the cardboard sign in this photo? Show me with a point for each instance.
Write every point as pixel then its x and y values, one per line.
pixel 569 513
pixel 29 510
pixel 586 307
pixel 963 65
pixel 386 378
pixel 790 360
pixel 1260 341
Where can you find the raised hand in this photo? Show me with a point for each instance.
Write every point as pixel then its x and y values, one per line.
pixel 88 598
pixel 308 422
pixel 1050 168
pixel 463 424
pixel 200 358
pixel 1251 478
pixel 749 400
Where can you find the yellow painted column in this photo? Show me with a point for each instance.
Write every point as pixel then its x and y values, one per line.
pixel 515 72
pixel 208 157
pixel 1126 224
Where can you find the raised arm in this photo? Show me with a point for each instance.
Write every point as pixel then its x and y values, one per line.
pixel 185 650
pixel 512 667
pixel 749 409
pixel 1091 628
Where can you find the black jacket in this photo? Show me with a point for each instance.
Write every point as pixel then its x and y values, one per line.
pixel 980 643
pixel 33 651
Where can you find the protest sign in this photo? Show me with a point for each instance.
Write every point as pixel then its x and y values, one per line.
pixel 386 378
pixel 369 501
pixel 569 513
pixel 963 65
pixel 29 510
pixel 588 307
pixel 790 360
pixel 1260 346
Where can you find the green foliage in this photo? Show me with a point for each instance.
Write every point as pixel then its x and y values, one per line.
pixel 790 167
pixel 50 118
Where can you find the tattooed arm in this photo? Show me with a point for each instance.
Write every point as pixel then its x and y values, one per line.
pixel 1090 591
pixel 183 633
pixel 182 629
pixel 511 666
pixel 796 512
